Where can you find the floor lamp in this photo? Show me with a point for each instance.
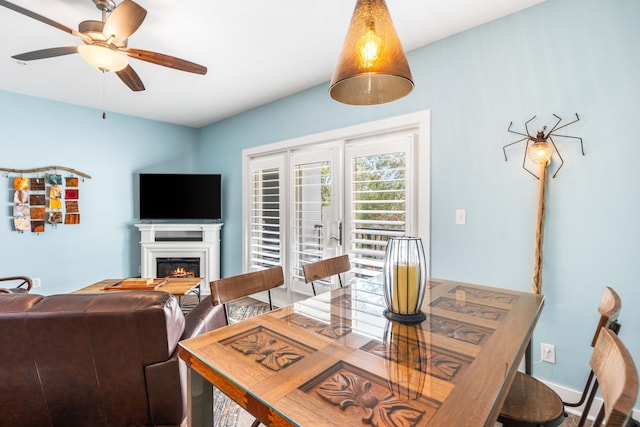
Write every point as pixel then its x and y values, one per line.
pixel 539 150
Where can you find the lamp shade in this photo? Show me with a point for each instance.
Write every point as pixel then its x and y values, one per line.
pixel 372 68
pixel 103 58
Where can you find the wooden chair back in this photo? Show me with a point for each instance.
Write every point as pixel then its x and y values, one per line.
pixel 25 282
pixel 242 285
pixel 617 377
pixel 609 309
pixel 326 268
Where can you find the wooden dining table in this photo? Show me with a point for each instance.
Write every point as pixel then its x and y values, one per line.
pixel 335 360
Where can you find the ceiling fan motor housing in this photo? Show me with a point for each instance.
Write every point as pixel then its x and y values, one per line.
pixel 91 26
pixel 93 29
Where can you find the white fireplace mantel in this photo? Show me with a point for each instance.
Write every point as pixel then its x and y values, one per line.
pixel 181 240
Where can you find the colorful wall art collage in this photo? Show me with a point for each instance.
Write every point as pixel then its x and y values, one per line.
pixel 52 199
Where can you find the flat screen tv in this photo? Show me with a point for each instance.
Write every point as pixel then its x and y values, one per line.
pixel 165 196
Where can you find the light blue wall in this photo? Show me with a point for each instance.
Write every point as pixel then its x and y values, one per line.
pixel 36 133
pixel 563 57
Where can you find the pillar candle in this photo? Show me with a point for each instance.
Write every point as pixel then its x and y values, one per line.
pixel 405 288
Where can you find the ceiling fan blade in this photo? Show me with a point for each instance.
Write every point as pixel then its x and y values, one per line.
pixel 165 60
pixel 46 53
pixel 41 18
pixel 124 21
pixel 130 78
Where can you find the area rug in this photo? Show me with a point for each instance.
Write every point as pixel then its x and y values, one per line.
pixel 226 412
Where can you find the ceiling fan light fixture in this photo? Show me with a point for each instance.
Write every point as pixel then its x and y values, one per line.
pixel 103 58
pixel 372 68
pixel 105 42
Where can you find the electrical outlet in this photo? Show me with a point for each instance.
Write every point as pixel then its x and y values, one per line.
pixel 548 353
pixel 461 216
pixel 36 282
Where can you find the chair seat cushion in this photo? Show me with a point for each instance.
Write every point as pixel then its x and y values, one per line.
pixel 531 402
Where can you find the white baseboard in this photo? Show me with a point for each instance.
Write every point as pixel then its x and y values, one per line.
pixel 569 395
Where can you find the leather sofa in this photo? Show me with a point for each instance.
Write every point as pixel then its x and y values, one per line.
pixel 107 359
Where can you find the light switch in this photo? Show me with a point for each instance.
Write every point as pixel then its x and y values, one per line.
pixel 461 216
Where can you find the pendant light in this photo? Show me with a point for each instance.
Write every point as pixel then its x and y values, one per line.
pixel 372 68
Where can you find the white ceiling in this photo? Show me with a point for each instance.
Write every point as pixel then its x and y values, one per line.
pixel 256 51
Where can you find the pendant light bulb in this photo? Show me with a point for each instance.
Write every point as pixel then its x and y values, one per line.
pixel 369 49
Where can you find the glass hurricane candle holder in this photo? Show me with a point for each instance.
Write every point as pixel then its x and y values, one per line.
pixel 405 279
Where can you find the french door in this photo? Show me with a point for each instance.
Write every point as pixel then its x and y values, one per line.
pixel 315 211
pixel 381 198
pixel 305 202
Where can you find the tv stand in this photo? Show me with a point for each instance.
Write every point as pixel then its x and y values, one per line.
pixel 181 240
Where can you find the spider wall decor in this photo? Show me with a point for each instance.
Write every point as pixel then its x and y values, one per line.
pixel 538 147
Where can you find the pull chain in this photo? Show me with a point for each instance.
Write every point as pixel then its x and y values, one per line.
pixel 104 113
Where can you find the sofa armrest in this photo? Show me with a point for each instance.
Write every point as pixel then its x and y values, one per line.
pixel 203 318
pixel 167 392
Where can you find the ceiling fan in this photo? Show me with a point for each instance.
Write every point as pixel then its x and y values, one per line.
pixel 105 42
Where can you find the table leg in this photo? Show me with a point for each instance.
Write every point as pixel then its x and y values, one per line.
pixel 199 400
pixel 196 291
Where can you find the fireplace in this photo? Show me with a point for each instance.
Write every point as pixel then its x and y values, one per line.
pixel 178 267
pixel 195 248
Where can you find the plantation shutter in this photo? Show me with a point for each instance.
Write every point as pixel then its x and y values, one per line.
pixel 380 200
pixel 265 218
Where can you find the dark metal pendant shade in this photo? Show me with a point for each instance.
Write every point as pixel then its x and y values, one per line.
pixel 372 68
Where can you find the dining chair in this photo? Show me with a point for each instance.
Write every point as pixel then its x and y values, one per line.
pixel 242 285
pixel 531 403
pixel 617 377
pixel 325 268
pixel 24 287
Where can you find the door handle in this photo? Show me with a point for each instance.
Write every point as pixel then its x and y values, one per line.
pixel 339 238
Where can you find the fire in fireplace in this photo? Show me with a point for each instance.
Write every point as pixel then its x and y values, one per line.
pixel 178 267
